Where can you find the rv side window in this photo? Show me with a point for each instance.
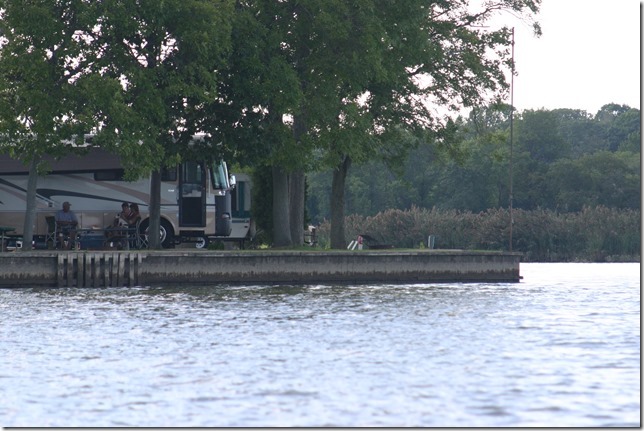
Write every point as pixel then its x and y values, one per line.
pixel 233 199
pixel 191 173
pixel 111 175
pixel 169 174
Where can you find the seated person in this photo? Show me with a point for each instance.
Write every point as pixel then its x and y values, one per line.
pixel 134 215
pixel 125 211
pixel 120 223
pixel 66 223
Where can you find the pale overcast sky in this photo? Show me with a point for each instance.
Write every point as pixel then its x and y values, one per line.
pixel 588 56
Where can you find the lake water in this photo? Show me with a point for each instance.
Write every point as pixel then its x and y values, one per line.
pixel 559 349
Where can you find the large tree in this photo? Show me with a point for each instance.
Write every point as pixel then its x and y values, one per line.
pixel 137 73
pixel 417 58
pixel 258 95
pixel 44 85
pixel 360 80
pixel 165 57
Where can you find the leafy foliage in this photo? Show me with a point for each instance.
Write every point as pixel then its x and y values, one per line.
pixel 326 84
pixel 43 77
pixel 566 168
pixel 164 56
pixel 137 74
pixel 44 85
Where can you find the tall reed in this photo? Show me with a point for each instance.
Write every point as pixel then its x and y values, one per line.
pixel 594 234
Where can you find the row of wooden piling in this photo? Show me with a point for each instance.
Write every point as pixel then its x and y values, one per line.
pixel 98 269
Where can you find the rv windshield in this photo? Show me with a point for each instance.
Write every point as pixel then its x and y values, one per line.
pixel 219 174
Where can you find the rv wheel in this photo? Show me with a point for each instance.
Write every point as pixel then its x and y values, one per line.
pixel 166 233
pixel 202 242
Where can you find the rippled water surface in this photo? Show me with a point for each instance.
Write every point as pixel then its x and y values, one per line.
pixel 561 348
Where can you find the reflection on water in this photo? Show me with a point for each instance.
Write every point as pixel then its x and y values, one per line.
pixel 561 348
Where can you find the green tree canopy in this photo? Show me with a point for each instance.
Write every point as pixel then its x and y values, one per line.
pixel 165 57
pixel 44 84
pixel 610 179
pixel 475 176
pixel 364 77
pixel 136 73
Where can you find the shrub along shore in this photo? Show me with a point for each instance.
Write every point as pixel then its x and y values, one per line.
pixel 594 234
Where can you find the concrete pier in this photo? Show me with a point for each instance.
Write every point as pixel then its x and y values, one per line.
pixel 200 267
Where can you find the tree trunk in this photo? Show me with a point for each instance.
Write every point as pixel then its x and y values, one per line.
pixel 30 211
pixel 281 222
pixel 338 240
pixel 296 206
pixel 297 186
pixel 155 211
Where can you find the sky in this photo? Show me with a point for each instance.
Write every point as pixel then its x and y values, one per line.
pixel 588 56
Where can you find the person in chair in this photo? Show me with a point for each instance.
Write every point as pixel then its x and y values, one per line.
pixel 134 215
pixel 66 224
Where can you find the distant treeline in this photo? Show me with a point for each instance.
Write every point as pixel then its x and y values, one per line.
pixel 576 187
pixel 562 160
pixel 597 234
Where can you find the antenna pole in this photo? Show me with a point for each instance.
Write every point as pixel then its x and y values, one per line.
pixel 511 138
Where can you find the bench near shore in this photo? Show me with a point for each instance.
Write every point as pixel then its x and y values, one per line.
pixel 201 267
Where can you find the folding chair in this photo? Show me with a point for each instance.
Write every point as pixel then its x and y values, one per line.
pixel 52 234
pixel 133 234
pixel 141 237
pixel 120 238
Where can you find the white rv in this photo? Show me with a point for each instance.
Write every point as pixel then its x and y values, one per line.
pixel 196 198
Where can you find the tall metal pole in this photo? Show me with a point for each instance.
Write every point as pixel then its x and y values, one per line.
pixel 511 138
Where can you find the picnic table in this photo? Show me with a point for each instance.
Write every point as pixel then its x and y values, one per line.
pixel 373 243
pixel 122 237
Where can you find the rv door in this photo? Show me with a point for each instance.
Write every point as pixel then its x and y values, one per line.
pixel 192 196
